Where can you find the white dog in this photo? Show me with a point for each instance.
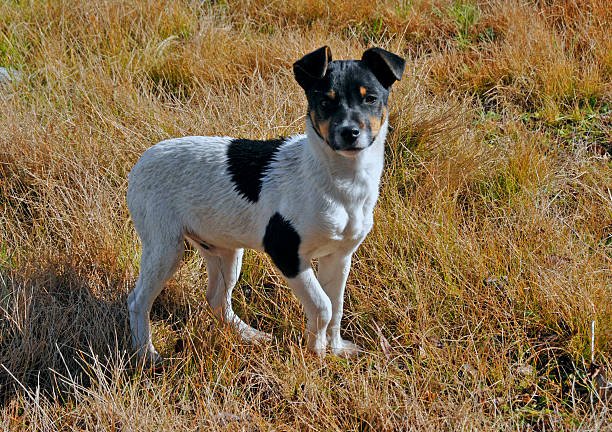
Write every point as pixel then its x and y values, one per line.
pixel 304 197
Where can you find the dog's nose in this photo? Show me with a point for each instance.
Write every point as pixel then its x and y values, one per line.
pixel 349 134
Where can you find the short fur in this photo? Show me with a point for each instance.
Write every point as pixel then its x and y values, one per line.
pixel 304 197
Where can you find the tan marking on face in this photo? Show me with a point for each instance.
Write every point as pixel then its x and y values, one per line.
pixel 331 94
pixel 321 126
pixel 375 124
pixel 363 91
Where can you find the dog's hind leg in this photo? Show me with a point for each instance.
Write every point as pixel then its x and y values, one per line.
pixel 159 261
pixel 223 267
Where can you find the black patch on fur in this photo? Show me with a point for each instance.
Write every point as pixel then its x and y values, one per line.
pixel 281 241
pixel 247 162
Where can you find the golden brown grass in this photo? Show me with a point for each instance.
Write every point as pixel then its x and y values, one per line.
pixel 474 295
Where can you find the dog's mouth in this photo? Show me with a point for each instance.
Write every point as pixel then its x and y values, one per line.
pixel 350 153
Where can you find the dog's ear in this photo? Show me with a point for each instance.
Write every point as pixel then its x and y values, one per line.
pixel 386 66
pixel 312 67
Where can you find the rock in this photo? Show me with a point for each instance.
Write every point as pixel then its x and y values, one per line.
pixel 8 75
pixel 525 370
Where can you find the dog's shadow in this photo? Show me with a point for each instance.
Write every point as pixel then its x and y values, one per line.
pixel 53 323
pixel 59 320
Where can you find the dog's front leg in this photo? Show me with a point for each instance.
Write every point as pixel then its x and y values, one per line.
pixel 317 307
pixel 333 273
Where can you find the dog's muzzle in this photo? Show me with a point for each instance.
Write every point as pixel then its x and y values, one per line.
pixel 350 141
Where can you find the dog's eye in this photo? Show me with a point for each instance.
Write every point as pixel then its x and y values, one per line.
pixel 324 103
pixel 371 100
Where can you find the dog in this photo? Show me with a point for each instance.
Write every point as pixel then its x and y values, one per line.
pixel 297 198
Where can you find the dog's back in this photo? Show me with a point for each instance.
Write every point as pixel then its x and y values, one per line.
pixel 220 190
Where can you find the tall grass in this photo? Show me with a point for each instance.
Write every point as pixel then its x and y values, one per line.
pixel 474 294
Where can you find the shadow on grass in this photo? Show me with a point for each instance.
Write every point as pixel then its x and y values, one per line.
pixel 58 321
pixel 52 323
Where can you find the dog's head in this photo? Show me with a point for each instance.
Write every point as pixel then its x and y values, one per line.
pixel 347 99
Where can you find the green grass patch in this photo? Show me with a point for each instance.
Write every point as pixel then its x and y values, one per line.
pixel 465 16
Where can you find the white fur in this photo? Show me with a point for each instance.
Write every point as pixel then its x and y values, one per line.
pixel 180 189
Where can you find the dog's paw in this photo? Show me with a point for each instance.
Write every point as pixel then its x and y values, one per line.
pixel 316 344
pixel 346 349
pixel 319 353
pixel 148 360
pixel 251 335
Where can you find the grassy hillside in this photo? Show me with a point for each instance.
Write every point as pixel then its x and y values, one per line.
pixel 474 294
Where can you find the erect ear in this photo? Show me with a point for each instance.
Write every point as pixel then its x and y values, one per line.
pixel 386 66
pixel 312 67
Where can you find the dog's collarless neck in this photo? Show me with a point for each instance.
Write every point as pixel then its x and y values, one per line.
pixel 340 175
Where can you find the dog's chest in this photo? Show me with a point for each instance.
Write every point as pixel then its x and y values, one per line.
pixel 350 223
pixel 340 227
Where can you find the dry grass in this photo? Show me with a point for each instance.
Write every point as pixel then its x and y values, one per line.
pixel 474 294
